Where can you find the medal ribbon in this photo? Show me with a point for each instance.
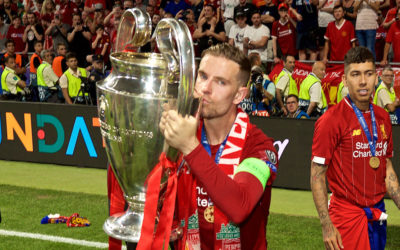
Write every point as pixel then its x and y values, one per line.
pixel 363 123
pixel 207 147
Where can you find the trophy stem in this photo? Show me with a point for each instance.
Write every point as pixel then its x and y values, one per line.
pixel 127 226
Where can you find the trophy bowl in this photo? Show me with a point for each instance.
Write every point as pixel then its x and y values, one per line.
pixel 130 104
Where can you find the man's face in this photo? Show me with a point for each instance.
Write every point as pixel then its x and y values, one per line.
pixel 48 57
pixel 319 70
pixel 11 63
pixel 128 5
pixel 38 47
pixel 360 80
pixel 292 104
pixel 256 19
pixel 98 65
pixel 72 63
pixel 31 19
pixel 156 19
pixel 241 21
pixel 208 12
pixel 150 10
pixel 7 4
pixel 387 77
pixel 398 3
pixel 290 63
pixel 17 22
pixel 62 50
pixel 338 14
pixel 282 12
pixel 10 48
pixel 76 20
pixel 218 86
pixel 243 2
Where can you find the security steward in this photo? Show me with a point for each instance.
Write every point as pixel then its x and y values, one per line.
pixel 46 78
pixel 285 84
pixel 311 96
pixel 385 96
pixel 97 74
pixel 12 86
pixel 72 80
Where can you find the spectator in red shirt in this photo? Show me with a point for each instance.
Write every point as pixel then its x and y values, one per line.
pixel 48 10
pixel 16 32
pixel 380 40
pixel 92 5
pixel 391 16
pixel 67 8
pixel 101 43
pixel 109 20
pixel 393 38
pixel 339 36
pixel 283 34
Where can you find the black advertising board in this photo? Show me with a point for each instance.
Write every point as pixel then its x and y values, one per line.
pixel 70 135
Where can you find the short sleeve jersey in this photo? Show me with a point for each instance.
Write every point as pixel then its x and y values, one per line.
pixel 285 33
pixel 393 38
pixel 340 38
pixel 340 143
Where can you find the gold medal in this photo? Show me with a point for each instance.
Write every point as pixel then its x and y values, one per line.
pixel 374 162
pixel 209 214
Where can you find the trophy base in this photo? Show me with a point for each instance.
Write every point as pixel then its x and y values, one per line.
pixel 124 226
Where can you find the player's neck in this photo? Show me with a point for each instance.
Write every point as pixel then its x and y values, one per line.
pixel 339 22
pixel 363 106
pixel 218 128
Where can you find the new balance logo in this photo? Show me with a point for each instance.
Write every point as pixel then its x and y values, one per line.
pixel 356 132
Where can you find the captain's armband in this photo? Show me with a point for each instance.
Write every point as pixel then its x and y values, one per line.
pixel 257 168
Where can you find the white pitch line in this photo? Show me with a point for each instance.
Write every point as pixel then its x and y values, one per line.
pixel 54 239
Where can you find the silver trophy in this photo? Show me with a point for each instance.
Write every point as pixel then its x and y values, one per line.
pixel 130 103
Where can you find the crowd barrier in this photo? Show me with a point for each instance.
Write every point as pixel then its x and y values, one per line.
pixel 70 135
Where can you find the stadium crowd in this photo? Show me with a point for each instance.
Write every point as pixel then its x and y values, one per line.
pixel 55 51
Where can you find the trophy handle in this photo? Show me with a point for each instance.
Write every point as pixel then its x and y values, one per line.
pixel 170 32
pixel 134 30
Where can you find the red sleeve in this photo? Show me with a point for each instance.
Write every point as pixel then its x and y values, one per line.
pixel 274 27
pixel 326 137
pixel 327 33
pixel 235 197
pixel 351 30
pixel 389 36
pixel 88 3
pixel 9 32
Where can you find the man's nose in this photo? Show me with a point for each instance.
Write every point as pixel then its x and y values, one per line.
pixel 206 86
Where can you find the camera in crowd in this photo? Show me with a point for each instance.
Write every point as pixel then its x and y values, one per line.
pixel 257 77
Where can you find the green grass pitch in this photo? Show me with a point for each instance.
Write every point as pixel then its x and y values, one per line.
pixel 29 191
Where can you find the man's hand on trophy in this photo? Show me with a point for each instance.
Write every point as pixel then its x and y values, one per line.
pixel 179 132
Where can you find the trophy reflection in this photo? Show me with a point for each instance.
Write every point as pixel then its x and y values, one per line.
pixel 130 104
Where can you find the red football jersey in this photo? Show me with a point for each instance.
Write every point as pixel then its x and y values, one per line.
pixel 285 34
pixel 340 143
pixel 393 37
pixel 253 229
pixel 340 38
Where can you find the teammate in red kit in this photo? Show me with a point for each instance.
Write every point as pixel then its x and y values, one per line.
pixel 352 148
pixel 223 188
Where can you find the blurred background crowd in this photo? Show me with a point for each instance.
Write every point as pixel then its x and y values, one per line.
pixel 55 51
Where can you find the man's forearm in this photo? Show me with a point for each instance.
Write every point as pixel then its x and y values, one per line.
pixel 392 183
pixel 319 192
pixel 279 98
pixel 311 107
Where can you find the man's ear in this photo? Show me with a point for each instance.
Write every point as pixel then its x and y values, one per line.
pixel 344 80
pixel 240 95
